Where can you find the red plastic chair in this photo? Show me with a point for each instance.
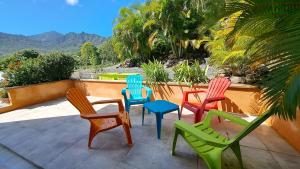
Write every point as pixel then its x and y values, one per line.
pixel 214 93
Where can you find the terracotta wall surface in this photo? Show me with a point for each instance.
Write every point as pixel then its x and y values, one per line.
pixel 290 130
pixel 239 98
pixel 33 94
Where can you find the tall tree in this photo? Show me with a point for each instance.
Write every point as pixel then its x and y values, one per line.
pixel 129 39
pixel 177 20
pixel 106 52
pixel 89 55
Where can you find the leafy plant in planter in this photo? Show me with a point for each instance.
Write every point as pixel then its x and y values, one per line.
pixel 189 74
pixel 155 72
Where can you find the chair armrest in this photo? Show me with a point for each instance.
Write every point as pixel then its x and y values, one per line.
pixel 123 91
pixel 119 101
pixel 187 93
pixel 227 116
pixel 215 99
pixel 183 126
pixel 100 116
pixel 148 93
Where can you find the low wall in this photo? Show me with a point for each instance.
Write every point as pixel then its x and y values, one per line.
pixel 239 98
pixel 289 130
pixel 33 94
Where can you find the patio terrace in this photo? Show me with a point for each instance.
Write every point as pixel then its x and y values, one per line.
pixel 51 135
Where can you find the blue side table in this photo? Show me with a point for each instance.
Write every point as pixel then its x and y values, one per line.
pixel 160 107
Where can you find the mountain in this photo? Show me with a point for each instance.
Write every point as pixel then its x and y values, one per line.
pixel 47 42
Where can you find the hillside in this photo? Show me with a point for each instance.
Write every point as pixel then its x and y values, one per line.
pixel 46 42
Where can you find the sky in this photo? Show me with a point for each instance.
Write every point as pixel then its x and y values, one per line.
pixel 29 17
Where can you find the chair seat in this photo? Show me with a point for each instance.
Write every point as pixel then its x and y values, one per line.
pixel 138 100
pixel 105 123
pixel 194 107
pixel 201 146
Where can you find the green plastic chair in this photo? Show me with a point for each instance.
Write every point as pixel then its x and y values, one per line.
pixel 208 143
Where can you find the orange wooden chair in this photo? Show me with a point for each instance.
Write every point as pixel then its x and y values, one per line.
pixel 99 122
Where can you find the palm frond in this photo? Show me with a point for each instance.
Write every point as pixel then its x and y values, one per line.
pixel 275 27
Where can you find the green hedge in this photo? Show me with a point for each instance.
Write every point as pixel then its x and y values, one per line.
pixel 45 68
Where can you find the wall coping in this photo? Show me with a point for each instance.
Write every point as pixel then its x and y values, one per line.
pixel 37 84
pixel 232 86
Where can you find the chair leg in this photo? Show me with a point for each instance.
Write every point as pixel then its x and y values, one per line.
pixel 128 134
pixel 197 118
pixel 175 141
pixel 198 115
pixel 181 109
pixel 219 118
pixel 237 151
pixel 127 107
pixel 143 114
pixel 92 134
pixel 213 160
pixel 129 121
pixel 158 124
pixel 179 114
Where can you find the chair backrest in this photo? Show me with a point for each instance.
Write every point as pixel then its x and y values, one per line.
pixel 135 86
pixel 217 87
pixel 79 100
pixel 253 125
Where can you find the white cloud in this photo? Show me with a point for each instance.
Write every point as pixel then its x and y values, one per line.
pixel 72 2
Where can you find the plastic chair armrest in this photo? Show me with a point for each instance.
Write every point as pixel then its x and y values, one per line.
pixel 183 126
pixel 148 93
pixel 227 116
pixel 187 93
pixel 119 101
pixel 100 116
pixel 215 99
pixel 123 91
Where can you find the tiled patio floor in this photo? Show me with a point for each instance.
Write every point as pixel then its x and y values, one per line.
pixel 52 136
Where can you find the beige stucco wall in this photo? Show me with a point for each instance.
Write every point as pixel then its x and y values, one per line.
pixel 33 94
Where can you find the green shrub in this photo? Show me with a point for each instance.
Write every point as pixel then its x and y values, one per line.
pixel 47 68
pixel 18 57
pixel 3 93
pixel 155 72
pixel 189 74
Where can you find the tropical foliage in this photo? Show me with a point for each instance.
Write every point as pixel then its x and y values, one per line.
pixel 106 53
pixel 162 28
pixel 88 54
pixel 155 72
pixel 235 57
pixel 275 27
pixel 184 73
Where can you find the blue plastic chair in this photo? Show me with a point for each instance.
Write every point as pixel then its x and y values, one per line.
pixel 135 88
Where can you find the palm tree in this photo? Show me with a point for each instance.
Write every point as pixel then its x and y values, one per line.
pixel 275 27
pixel 129 38
pixel 176 21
